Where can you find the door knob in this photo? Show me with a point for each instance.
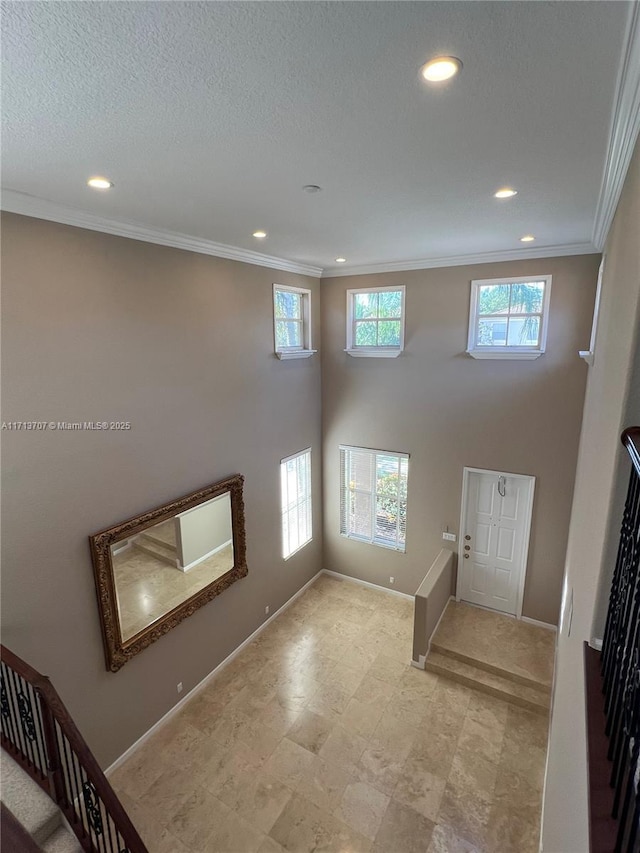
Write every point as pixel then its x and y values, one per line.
pixel 467 547
pixel 466 556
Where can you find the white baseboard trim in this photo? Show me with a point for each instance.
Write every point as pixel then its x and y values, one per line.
pixel 367 583
pixel 202 684
pixel 420 663
pixel 546 625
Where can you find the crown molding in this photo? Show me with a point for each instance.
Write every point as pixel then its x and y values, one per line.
pixel 40 208
pixel 625 125
pixel 464 260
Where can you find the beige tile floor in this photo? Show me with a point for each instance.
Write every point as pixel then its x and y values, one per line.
pixel 321 737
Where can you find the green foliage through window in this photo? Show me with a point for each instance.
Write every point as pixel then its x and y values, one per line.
pixel 509 315
pixel 377 319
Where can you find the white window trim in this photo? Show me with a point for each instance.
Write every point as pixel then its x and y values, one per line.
pixel 508 352
pixel 304 351
pixel 400 549
pixel 310 539
pixel 590 355
pixel 373 352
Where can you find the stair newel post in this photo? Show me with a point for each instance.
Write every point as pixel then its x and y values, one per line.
pixel 54 764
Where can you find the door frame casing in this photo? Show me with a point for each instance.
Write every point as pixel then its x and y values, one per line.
pixel 466 471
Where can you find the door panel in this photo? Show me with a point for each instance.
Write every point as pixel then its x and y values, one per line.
pixel 482 539
pixel 497 525
pixel 479 578
pixel 506 544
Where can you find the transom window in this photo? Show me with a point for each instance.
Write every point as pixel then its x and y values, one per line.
pixel 508 317
pixel 375 321
pixel 295 502
pixel 373 496
pixel 292 321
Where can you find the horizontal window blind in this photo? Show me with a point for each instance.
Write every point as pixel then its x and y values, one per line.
pixel 373 496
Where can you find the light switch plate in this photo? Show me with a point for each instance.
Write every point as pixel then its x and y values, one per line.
pixel 449 537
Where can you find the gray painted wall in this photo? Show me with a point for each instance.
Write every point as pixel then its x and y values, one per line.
pixel 448 410
pixel 97 327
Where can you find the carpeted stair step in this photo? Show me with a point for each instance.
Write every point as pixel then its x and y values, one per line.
pixel 31 806
pixel 62 841
pixel 488 682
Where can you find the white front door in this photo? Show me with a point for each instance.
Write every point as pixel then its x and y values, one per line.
pixel 494 541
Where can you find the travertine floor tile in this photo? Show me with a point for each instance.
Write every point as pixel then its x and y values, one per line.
pixel 304 828
pixel 233 835
pixel 419 787
pixel 323 783
pixel 197 818
pixel 523 649
pixel 362 808
pixel 262 801
pixel 403 829
pixel 289 762
pixel 343 747
pixel 444 840
pixel 321 737
pixel 469 812
pixel 310 731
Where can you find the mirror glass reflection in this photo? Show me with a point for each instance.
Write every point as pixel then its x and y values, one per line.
pixel 165 564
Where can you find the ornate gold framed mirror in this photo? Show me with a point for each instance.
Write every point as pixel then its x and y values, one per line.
pixel 156 569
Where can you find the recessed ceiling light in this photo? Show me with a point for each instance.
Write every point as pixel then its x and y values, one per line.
pixel 528 238
pixel 312 188
pixel 341 260
pixel 260 235
pixel 441 68
pixel 505 192
pixel 100 183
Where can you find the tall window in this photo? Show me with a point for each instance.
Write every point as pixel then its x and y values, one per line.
pixel 292 321
pixel 373 496
pixel 509 317
pixel 375 321
pixel 295 499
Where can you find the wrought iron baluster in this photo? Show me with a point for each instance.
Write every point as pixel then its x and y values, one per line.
pixel 25 746
pixel 8 720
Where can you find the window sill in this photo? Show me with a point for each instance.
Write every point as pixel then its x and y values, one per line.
pixel 373 353
pixel 298 353
pixel 587 355
pixel 400 549
pixel 505 355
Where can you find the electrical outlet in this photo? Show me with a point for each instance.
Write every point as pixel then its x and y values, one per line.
pixel 266 610
pixel 179 687
pixel 449 537
pixel 392 580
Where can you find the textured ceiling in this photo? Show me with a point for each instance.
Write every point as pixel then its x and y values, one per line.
pixel 210 117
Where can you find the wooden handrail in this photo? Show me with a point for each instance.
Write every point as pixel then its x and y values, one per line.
pixel 53 709
pixel 631 440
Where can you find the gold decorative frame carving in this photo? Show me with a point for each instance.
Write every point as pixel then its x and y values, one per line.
pixel 119 651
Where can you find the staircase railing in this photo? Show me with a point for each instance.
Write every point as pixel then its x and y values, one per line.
pixel 620 666
pixel 39 734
